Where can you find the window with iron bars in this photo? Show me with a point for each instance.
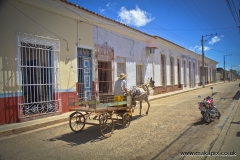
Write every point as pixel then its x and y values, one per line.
pixel 39 71
pixel 139 76
pixel 105 73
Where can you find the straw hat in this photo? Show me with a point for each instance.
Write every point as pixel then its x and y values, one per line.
pixel 122 76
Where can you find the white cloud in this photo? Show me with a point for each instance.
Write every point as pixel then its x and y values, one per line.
pixel 101 10
pixel 195 48
pixel 215 39
pixel 135 17
pixel 206 48
pixel 111 6
pixel 199 48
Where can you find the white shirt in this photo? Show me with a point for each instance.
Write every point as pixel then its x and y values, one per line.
pixel 119 87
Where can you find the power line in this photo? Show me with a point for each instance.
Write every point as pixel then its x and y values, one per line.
pixel 164 29
pixel 88 22
pixel 160 28
pixel 231 28
pixel 173 29
pixel 106 23
pixel 37 22
pixel 201 13
pixel 186 13
pixel 234 53
pixel 193 12
pixel 234 13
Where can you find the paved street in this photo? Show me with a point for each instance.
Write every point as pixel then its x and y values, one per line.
pixel 173 125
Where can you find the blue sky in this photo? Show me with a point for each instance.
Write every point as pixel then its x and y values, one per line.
pixel 183 22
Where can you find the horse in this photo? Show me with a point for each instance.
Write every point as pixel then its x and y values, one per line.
pixel 140 93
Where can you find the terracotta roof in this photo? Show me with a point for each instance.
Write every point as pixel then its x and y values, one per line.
pixel 152 47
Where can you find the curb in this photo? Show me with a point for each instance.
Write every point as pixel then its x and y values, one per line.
pixel 30 127
pixel 217 145
pixel 183 91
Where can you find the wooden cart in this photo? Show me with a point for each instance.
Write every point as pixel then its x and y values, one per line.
pixel 103 108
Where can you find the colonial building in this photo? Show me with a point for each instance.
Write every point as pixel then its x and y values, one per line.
pixel 55 50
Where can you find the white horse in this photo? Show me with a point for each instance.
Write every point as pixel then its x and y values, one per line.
pixel 140 93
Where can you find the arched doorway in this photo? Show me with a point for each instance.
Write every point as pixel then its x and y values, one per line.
pixel 172 71
pixel 184 73
pixel 194 75
pixel 190 74
pixel 179 72
pixel 163 70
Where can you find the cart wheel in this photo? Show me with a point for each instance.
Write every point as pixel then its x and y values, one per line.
pixel 77 121
pixel 126 120
pixel 106 125
pixel 100 117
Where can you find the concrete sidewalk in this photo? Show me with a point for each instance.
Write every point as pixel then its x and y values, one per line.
pixel 16 128
pixel 228 142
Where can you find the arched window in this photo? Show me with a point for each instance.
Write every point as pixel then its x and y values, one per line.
pixel 163 70
pixel 194 75
pixel 172 71
pixel 210 75
pixel 179 73
pixel 190 74
pixel 184 73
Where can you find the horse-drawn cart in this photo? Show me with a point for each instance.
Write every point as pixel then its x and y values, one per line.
pixel 105 108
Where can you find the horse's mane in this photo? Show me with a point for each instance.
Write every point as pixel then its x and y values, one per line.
pixel 144 87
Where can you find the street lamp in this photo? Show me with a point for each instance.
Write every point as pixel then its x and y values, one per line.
pixel 224 65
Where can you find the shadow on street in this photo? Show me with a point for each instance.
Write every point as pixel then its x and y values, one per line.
pixel 91 134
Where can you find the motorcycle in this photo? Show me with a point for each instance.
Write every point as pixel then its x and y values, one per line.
pixel 208 110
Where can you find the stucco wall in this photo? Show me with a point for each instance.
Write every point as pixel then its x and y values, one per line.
pixel 46 21
pixel 131 49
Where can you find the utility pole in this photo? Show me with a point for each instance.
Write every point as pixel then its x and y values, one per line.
pixel 224 68
pixel 203 69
